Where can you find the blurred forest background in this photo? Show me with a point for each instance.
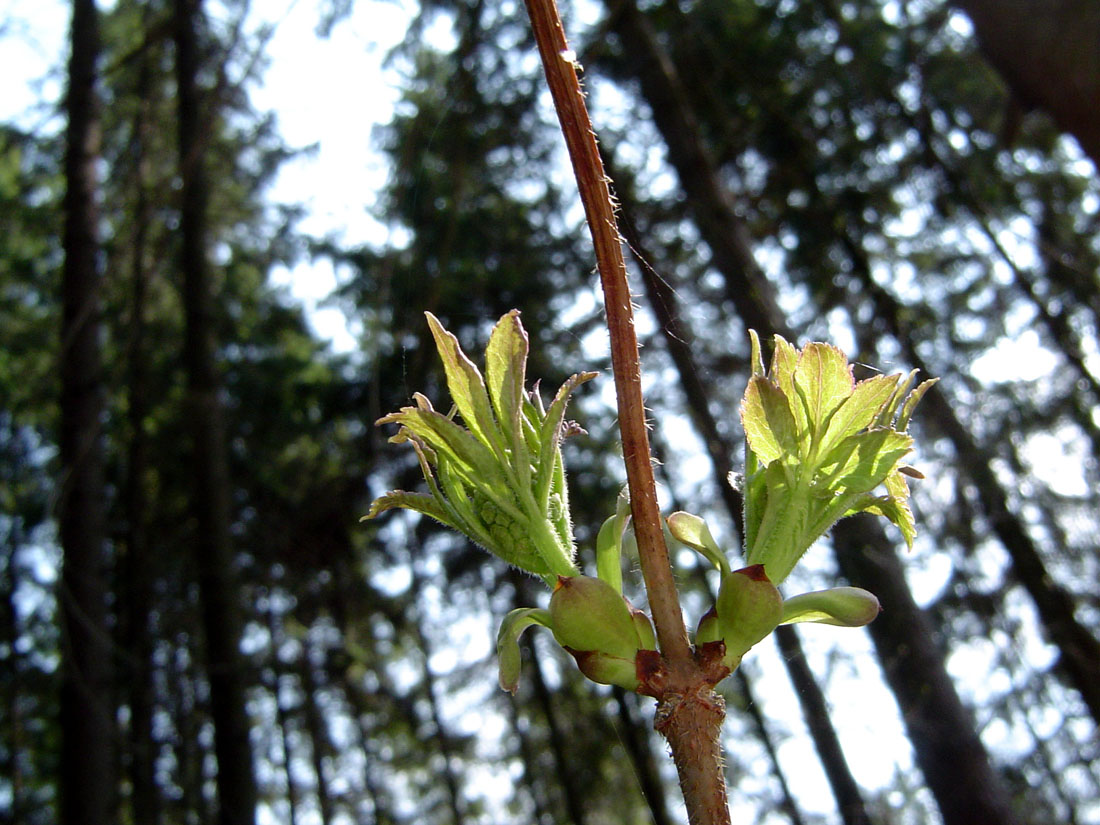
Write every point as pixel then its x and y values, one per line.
pixel 194 627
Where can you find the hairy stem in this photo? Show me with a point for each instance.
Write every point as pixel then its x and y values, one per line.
pixel 689 713
pixel 561 74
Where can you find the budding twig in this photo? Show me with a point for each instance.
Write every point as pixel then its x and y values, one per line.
pixel 689 712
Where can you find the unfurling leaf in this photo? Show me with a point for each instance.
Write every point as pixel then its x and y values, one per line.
pixel 496 473
pixel 508 657
pixel 693 531
pixel 818 445
pixel 841 606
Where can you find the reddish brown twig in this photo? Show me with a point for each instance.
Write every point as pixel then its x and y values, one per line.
pixel 689 713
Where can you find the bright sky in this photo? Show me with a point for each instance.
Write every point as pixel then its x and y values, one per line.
pixel 331 93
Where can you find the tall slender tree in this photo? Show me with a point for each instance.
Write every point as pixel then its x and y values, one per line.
pixel 87 784
pixel 136 574
pixel 1046 51
pixel 214 558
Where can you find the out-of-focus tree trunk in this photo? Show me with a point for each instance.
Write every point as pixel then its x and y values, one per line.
pixel 1048 52
pixel 11 764
pixel 319 740
pixel 443 741
pixel 849 799
pixel 787 803
pixel 532 775
pixel 282 713
pixel 88 744
pixel 221 612
pixel 951 756
pixel 564 767
pixel 137 573
pixel 188 752
pixel 1079 650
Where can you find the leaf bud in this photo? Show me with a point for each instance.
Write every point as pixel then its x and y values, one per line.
pixel 749 607
pixel 707 629
pixel 592 621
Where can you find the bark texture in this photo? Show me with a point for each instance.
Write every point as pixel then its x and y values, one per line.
pixel 692 722
pixel 87 785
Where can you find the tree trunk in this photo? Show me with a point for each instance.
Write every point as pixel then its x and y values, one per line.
pixel 189 752
pixel 635 739
pixel 950 755
pixel 788 804
pixel 665 91
pixel 13 764
pixel 532 775
pixel 348 595
pixel 282 712
pixel 87 781
pixel 1079 650
pixel 563 766
pixel 137 573
pixel 451 780
pixel 1048 52
pixel 221 613
pixel 320 744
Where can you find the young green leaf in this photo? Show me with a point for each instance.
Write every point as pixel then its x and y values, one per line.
pixel 840 606
pixel 480 472
pixel 550 433
pixel 505 366
pixel 467 387
pixel 862 461
pixel 822 380
pixel 768 422
pixel 609 545
pixel 694 532
pixel 911 402
pixel 824 443
pixel 858 410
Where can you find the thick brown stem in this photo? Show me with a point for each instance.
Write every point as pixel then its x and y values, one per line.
pixel 689 713
pixel 692 723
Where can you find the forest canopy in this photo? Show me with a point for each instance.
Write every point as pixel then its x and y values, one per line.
pixel 196 627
